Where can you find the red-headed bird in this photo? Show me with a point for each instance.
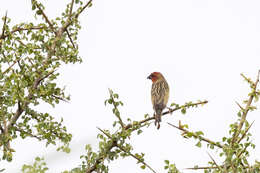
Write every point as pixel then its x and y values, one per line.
pixel 159 95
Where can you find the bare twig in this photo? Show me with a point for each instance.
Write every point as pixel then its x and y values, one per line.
pixel 122 148
pixel 240 106
pixel 197 136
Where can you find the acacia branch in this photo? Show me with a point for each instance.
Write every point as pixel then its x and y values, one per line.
pixel 249 102
pixel 128 152
pixel 197 136
pixel 168 112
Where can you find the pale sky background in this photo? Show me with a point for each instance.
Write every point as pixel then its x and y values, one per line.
pixel 201 47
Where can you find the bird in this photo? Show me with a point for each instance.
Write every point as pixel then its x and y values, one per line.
pixel 159 95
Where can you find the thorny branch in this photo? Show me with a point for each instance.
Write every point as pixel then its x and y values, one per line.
pixel 197 136
pixel 245 111
pixel 122 149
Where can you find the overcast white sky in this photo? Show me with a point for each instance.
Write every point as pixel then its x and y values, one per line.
pixel 201 47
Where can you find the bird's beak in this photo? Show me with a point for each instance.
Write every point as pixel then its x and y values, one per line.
pixel 149 77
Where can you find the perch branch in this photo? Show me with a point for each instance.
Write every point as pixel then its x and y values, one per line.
pixel 168 112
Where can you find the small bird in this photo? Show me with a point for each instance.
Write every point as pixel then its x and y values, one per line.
pixel 159 95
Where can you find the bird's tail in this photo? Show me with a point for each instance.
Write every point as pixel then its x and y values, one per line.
pixel 158 119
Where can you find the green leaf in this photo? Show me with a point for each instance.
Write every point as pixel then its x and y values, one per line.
pixel 143 166
pixel 166 162
pixel 198 144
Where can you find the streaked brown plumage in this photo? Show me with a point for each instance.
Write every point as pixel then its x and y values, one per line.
pixel 159 95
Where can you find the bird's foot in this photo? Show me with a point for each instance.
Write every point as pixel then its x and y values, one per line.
pixel 170 110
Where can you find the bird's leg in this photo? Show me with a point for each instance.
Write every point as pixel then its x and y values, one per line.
pixel 155 121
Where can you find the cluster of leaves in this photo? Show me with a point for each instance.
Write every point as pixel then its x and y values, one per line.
pixel 39 166
pixel 30 56
pixel 171 168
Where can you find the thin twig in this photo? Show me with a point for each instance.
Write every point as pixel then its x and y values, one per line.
pixel 244 134
pixel 60 98
pixel 21 29
pixel 32 135
pixel 197 136
pixel 9 67
pixel 70 38
pixel 71 8
pixel 240 106
pixel 214 162
pixel 205 167
pixel 83 8
pixel 121 148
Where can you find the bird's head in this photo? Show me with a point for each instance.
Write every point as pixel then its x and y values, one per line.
pixel 155 76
